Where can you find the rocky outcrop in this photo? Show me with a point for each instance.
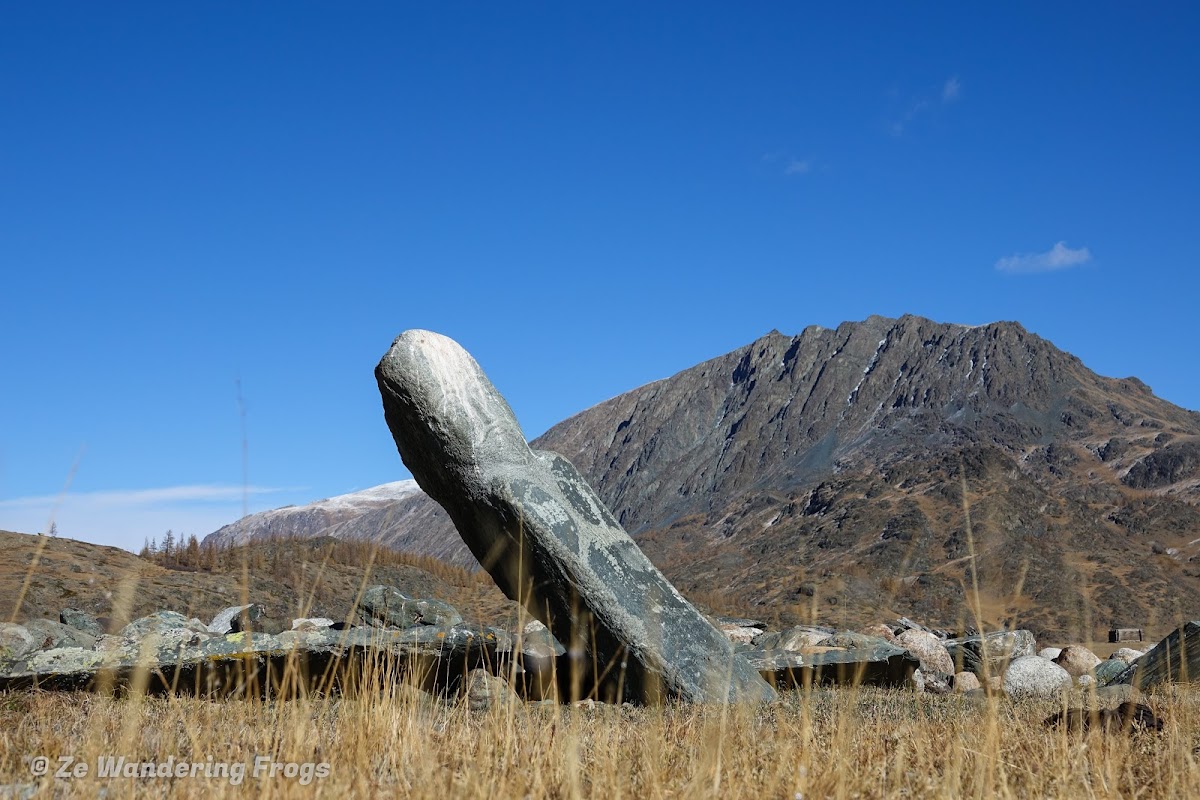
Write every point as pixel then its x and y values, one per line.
pixel 850 446
pixel 537 526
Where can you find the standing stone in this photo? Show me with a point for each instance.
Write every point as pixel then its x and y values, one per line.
pixel 545 537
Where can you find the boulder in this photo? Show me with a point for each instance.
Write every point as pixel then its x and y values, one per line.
pixel 739 634
pixel 236 618
pixel 49 634
pixel 389 607
pixel 311 623
pixel 989 654
pixel 1031 676
pixel 966 682
pixel 537 659
pixel 244 663
pixel 853 641
pixel 801 637
pixel 1176 659
pixel 483 691
pixel 1077 660
pixel 885 665
pixel 932 682
pixel 81 620
pixel 1108 669
pixel 1127 654
pixel 928 649
pixel 15 641
pixel 881 631
pixel 546 538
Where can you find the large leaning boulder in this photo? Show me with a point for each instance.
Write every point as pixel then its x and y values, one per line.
pixel 1176 659
pixel 549 542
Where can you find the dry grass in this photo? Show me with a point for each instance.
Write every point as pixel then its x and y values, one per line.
pixel 394 741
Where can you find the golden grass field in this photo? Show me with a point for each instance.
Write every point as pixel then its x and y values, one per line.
pixel 395 741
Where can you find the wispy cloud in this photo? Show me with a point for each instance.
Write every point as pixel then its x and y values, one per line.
pixel 127 517
pixel 951 91
pixel 1058 257
pixel 797 167
pixel 788 164
pixel 146 497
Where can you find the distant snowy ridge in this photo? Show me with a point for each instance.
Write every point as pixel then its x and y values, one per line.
pixel 364 514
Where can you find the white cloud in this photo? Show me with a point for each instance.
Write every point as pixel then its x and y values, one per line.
pixel 1058 257
pixel 126 518
pixel 951 89
pixel 788 164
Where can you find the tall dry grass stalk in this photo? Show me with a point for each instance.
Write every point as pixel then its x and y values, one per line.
pixel 396 741
pixel 385 737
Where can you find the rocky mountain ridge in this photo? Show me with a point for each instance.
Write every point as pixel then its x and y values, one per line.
pixel 835 470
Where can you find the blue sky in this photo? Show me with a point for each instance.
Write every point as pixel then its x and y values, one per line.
pixel 587 197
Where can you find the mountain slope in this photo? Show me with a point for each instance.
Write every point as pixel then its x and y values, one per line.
pixel 823 475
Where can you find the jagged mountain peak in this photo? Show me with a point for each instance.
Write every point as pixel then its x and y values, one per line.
pixel 831 464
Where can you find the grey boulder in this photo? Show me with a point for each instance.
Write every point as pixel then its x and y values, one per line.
pixel 989 654
pixel 1033 676
pixel 546 538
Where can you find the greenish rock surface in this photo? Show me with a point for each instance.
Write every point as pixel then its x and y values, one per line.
pixel 1176 659
pixel 546 538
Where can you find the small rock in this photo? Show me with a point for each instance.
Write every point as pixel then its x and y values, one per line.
pixel 1087 680
pixel 966 682
pixel 311 623
pixel 484 690
pixel 1031 676
pixel 1077 660
pixel 1049 653
pixel 740 635
pixel 1127 654
pixel 932 682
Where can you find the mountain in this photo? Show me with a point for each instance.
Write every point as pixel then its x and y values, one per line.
pixel 823 475
pixel 314 577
